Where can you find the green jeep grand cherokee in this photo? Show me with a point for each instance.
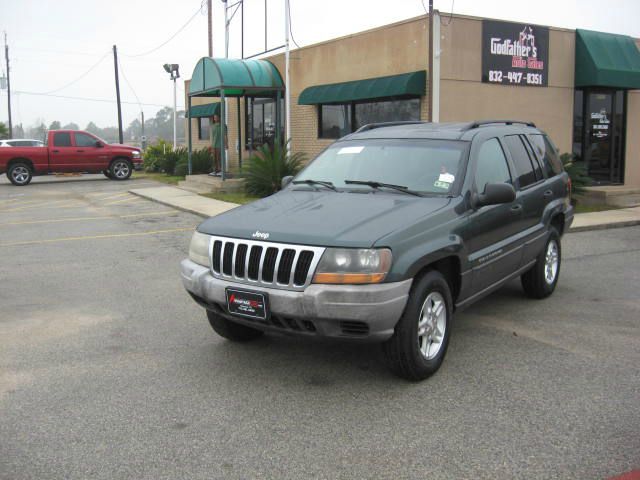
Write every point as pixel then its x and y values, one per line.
pixel 385 235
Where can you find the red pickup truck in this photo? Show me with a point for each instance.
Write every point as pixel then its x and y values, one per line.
pixel 69 151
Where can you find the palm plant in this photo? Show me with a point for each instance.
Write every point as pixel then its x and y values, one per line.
pixel 4 132
pixel 267 166
pixel 577 172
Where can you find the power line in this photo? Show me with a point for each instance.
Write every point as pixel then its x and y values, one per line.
pixel 171 37
pixel 129 84
pixel 80 77
pixel 91 99
pixel 290 31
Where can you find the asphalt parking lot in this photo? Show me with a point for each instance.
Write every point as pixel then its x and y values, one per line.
pixel 108 370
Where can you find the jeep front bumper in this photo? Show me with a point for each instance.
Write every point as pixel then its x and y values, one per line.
pixel 365 312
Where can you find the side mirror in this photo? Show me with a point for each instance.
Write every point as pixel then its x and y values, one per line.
pixel 286 181
pixel 495 194
pixel 99 144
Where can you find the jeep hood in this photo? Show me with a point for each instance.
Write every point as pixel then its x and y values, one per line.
pixel 323 218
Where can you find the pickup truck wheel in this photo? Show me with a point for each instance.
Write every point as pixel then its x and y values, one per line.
pixel 541 280
pixel 120 169
pixel 20 174
pixel 421 337
pixel 231 330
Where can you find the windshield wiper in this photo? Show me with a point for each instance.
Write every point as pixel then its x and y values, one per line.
pixel 329 185
pixel 372 184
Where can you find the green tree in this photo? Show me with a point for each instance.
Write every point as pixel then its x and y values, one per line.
pixel 18 131
pixel 71 126
pixel 55 125
pixel 93 128
pixel 4 131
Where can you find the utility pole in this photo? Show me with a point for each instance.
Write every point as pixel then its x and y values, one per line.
pixel 6 56
pixel 210 24
pixel 115 66
pixel 143 139
pixel 175 115
pixel 430 72
pixel 287 76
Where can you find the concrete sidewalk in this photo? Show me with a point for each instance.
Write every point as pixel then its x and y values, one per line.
pixel 207 207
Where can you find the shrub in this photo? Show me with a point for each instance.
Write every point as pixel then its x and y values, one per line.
pixel 577 172
pixel 267 167
pixel 154 154
pixel 201 162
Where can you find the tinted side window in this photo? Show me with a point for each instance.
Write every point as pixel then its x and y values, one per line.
pixel 84 140
pixel 492 165
pixel 547 152
pixel 62 139
pixel 521 160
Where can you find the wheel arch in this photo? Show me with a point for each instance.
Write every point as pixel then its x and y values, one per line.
pixel 15 160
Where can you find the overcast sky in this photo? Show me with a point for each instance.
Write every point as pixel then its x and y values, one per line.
pixel 53 43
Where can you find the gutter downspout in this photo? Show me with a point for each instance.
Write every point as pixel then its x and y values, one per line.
pixel 435 68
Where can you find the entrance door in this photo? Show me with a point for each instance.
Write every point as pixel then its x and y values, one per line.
pixel 603 135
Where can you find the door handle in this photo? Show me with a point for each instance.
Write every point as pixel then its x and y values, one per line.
pixel 517 208
pixel 548 193
pixel 56 151
pixel 79 151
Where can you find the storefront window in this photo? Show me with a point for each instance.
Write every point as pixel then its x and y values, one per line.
pixel 335 121
pixel 578 124
pixel 260 115
pixel 203 128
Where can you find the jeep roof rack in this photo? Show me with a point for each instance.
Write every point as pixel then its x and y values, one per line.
pixel 480 123
pixel 371 126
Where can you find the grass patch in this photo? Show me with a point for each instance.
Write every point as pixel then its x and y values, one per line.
pixel 158 177
pixel 594 208
pixel 236 197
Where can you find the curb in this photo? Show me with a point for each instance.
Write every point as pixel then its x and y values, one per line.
pixel 169 204
pixel 604 226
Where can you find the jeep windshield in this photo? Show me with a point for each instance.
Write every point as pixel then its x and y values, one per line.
pixel 421 165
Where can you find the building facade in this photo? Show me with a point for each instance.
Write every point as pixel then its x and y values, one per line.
pixel 581 87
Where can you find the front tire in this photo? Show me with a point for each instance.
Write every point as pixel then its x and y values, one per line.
pixel 421 337
pixel 120 169
pixel 231 330
pixel 20 174
pixel 541 280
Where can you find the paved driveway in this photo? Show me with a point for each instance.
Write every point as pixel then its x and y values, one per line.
pixel 109 370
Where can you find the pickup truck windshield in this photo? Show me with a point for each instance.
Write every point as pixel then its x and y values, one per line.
pixel 427 166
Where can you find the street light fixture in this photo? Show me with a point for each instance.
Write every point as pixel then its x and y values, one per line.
pixel 172 70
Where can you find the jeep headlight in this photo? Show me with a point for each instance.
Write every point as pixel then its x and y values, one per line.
pixel 199 249
pixel 135 154
pixel 353 265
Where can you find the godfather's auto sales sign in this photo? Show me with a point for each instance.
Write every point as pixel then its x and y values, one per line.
pixel 515 54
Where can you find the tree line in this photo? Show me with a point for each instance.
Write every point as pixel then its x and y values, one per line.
pixel 155 128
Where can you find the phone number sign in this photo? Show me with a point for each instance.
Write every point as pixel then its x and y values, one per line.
pixel 515 54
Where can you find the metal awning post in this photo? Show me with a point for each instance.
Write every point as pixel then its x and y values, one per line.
pixel 278 116
pixel 239 136
pixel 223 156
pixel 189 131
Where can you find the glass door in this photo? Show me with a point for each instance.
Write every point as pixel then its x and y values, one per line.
pixel 603 128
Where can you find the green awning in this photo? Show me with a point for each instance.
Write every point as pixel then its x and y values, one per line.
pixel 208 110
pixel 406 84
pixel 606 60
pixel 236 78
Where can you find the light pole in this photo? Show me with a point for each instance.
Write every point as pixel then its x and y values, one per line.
pixel 172 69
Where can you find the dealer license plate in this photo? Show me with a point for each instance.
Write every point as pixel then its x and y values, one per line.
pixel 247 304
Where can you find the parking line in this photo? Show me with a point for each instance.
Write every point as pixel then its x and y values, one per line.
pixel 78 219
pixel 94 237
pixel 109 197
pixel 37 205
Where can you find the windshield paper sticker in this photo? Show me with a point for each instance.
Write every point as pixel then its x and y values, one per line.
pixel 446 177
pixel 444 185
pixel 347 150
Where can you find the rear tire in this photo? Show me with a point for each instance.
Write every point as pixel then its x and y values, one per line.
pixel 20 174
pixel 120 169
pixel 231 330
pixel 541 280
pixel 421 337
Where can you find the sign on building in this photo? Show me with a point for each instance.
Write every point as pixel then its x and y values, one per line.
pixel 514 53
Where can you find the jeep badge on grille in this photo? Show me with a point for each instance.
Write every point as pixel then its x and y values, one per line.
pixel 259 234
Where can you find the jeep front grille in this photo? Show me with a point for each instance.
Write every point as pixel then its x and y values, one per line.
pixel 269 264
